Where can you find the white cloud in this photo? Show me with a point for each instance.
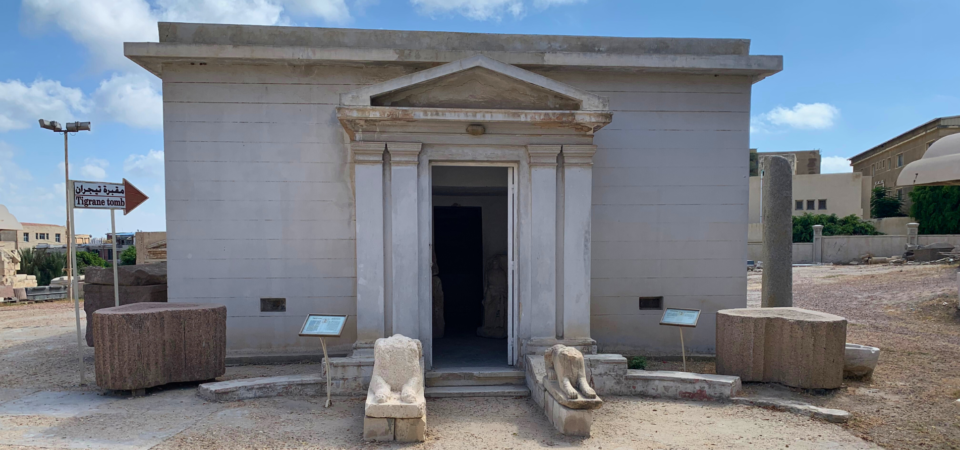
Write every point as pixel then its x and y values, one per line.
pixel 814 116
pixel 11 174
pixel 102 26
pixel 543 4
pixel 149 165
pixel 133 99
pixel 22 104
pixel 835 164
pixel 93 169
pixel 472 9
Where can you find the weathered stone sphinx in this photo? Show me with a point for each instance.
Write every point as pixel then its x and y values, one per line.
pixel 396 408
pixel 143 345
pixel 569 397
pixel 495 300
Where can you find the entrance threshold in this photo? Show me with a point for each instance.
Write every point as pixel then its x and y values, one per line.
pixel 475 382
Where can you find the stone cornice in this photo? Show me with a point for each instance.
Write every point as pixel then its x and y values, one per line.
pixel 404 153
pixel 543 155
pixel 368 152
pixel 578 155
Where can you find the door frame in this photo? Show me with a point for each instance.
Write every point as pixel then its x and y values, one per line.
pixel 512 182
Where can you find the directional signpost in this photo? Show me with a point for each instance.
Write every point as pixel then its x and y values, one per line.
pixel 100 195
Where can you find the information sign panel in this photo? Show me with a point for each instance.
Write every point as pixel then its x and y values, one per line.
pixel 321 325
pixel 680 317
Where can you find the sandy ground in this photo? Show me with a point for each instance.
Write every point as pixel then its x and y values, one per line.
pixel 910 313
pixel 907 405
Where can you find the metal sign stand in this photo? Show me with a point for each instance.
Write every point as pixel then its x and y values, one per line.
pixel 326 361
pixel 73 282
pixel 321 325
pixel 680 318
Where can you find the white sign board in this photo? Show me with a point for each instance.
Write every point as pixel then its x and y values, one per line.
pixel 98 195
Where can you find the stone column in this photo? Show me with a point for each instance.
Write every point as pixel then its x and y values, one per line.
pixel 913 238
pixel 543 249
pixel 817 244
pixel 577 205
pixel 368 182
pixel 777 197
pixel 404 223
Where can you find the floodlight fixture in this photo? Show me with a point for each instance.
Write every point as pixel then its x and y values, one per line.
pixel 51 125
pixel 78 126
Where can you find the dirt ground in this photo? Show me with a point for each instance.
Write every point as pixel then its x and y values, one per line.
pixel 909 312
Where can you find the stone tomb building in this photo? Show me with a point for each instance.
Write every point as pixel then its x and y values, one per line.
pixel 314 170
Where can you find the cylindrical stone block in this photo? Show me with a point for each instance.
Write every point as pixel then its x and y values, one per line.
pixel 777 198
pixel 791 346
pixel 142 345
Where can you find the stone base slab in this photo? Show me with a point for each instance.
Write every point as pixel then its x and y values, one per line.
pixel 803 409
pixel 395 408
pixel 386 429
pixel 680 385
pixel 262 387
pixel 572 422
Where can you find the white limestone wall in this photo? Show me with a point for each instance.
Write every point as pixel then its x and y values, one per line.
pixel 670 189
pixel 259 197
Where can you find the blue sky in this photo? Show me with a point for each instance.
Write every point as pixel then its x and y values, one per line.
pixel 855 73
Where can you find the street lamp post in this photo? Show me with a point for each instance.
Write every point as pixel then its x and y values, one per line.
pixel 71 127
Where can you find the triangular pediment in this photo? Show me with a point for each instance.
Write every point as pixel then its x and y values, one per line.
pixel 477 82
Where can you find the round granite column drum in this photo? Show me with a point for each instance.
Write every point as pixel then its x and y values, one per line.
pixel 777 197
pixel 143 345
pixel 791 346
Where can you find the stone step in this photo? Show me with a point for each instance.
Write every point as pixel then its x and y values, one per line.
pixel 479 376
pixel 510 390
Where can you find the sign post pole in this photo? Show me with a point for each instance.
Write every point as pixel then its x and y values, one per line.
pixel 326 360
pixel 71 260
pixel 113 240
pixel 683 349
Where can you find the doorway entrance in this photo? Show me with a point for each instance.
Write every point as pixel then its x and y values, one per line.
pixel 472 280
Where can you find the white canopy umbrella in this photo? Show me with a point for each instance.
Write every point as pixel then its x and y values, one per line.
pixel 939 166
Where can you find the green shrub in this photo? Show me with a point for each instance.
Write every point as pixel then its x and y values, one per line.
pixel 936 208
pixel 637 363
pixel 883 205
pixel 832 226
pixel 87 259
pixel 129 256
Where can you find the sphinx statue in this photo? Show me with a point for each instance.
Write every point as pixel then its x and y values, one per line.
pixel 396 408
pixel 567 378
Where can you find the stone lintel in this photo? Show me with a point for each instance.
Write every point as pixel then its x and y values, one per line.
pixel 404 153
pixel 578 155
pixel 543 155
pixel 368 152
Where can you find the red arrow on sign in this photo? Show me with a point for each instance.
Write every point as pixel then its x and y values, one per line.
pixel 133 197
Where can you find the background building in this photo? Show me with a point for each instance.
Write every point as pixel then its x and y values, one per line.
pixel 884 162
pixel 36 234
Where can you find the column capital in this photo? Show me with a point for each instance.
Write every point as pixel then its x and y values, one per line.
pixel 404 153
pixel 543 155
pixel 578 155
pixel 368 152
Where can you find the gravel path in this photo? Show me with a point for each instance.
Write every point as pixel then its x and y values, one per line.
pixel 42 405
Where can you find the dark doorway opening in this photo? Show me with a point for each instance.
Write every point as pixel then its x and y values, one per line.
pixel 458 239
pixel 470 246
